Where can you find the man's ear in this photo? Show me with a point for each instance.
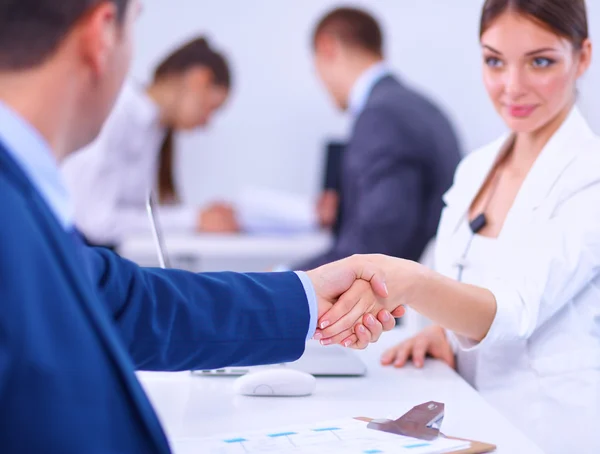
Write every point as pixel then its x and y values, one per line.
pixel 98 36
pixel 326 45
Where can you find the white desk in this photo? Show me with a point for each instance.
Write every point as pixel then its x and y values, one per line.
pixel 191 406
pixel 206 252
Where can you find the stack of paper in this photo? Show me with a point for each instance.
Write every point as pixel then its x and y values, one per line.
pixel 265 211
pixel 335 437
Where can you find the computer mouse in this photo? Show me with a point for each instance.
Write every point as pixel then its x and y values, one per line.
pixel 276 382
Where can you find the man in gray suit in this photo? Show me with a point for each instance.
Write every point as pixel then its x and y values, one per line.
pixel 401 156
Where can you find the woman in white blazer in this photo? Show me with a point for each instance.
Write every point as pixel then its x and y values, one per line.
pixel 517 285
pixel 133 155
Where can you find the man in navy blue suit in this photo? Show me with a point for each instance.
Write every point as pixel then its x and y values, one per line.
pixel 75 322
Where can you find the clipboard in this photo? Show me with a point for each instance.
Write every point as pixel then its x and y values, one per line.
pixel 424 422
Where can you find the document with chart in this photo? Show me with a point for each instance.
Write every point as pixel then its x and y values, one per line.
pixel 346 436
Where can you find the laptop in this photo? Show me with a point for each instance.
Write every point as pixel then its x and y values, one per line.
pixel 331 361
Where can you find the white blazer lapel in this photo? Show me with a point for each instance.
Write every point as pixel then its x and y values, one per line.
pixel 554 159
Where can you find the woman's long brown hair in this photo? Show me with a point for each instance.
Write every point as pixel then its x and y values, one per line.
pixel 195 53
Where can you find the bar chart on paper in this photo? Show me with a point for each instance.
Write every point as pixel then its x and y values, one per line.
pixel 335 437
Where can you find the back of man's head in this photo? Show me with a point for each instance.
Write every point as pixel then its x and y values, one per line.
pixel 62 64
pixel 353 28
pixel 32 30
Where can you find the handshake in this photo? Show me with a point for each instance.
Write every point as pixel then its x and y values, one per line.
pixel 354 303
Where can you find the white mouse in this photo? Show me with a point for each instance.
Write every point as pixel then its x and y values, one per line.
pixel 276 382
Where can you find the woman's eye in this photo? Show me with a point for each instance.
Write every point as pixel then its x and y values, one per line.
pixel 493 62
pixel 542 62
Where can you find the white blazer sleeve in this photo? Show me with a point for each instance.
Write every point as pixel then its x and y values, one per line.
pixel 556 259
pixel 95 186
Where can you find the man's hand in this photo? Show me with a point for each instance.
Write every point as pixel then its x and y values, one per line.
pixel 218 218
pixel 377 269
pixel 327 208
pixel 333 280
pixel 369 327
pixel 343 303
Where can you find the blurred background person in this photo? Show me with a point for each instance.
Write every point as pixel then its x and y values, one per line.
pixel 134 154
pixel 399 160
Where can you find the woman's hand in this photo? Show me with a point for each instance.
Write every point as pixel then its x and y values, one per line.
pixel 431 341
pixel 359 331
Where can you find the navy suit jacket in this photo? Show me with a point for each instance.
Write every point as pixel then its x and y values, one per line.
pixel 75 322
pixel 397 165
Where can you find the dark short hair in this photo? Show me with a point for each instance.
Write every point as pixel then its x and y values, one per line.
pixel 566 18
pixel 32 30
pixel 352 27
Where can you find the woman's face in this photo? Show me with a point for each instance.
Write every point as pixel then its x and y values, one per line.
pixel 198 99
pixel 530 73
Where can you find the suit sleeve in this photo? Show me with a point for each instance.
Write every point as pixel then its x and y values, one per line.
pixel 175 320
pixel 389 192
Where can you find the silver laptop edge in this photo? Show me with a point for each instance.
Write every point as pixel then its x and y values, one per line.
pixel 163 259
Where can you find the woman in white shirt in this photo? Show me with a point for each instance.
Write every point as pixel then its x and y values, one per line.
pixel 111 178
pixel 517 280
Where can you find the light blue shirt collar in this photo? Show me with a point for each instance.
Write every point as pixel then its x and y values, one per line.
pixel 359 95
pixel 29 149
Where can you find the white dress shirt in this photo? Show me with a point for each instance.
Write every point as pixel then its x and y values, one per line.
pixel 31 152
pixel 362 88
pixel 111 178
pixel 540 362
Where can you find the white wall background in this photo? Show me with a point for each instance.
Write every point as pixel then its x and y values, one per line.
pixel 272 132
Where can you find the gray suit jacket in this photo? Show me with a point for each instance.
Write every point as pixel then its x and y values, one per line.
pixel 399 162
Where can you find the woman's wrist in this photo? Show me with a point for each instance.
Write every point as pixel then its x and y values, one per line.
pixel 408 281
pixel 419 281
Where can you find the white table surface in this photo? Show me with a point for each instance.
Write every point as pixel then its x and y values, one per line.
pixel 192 406
pixel 239 252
